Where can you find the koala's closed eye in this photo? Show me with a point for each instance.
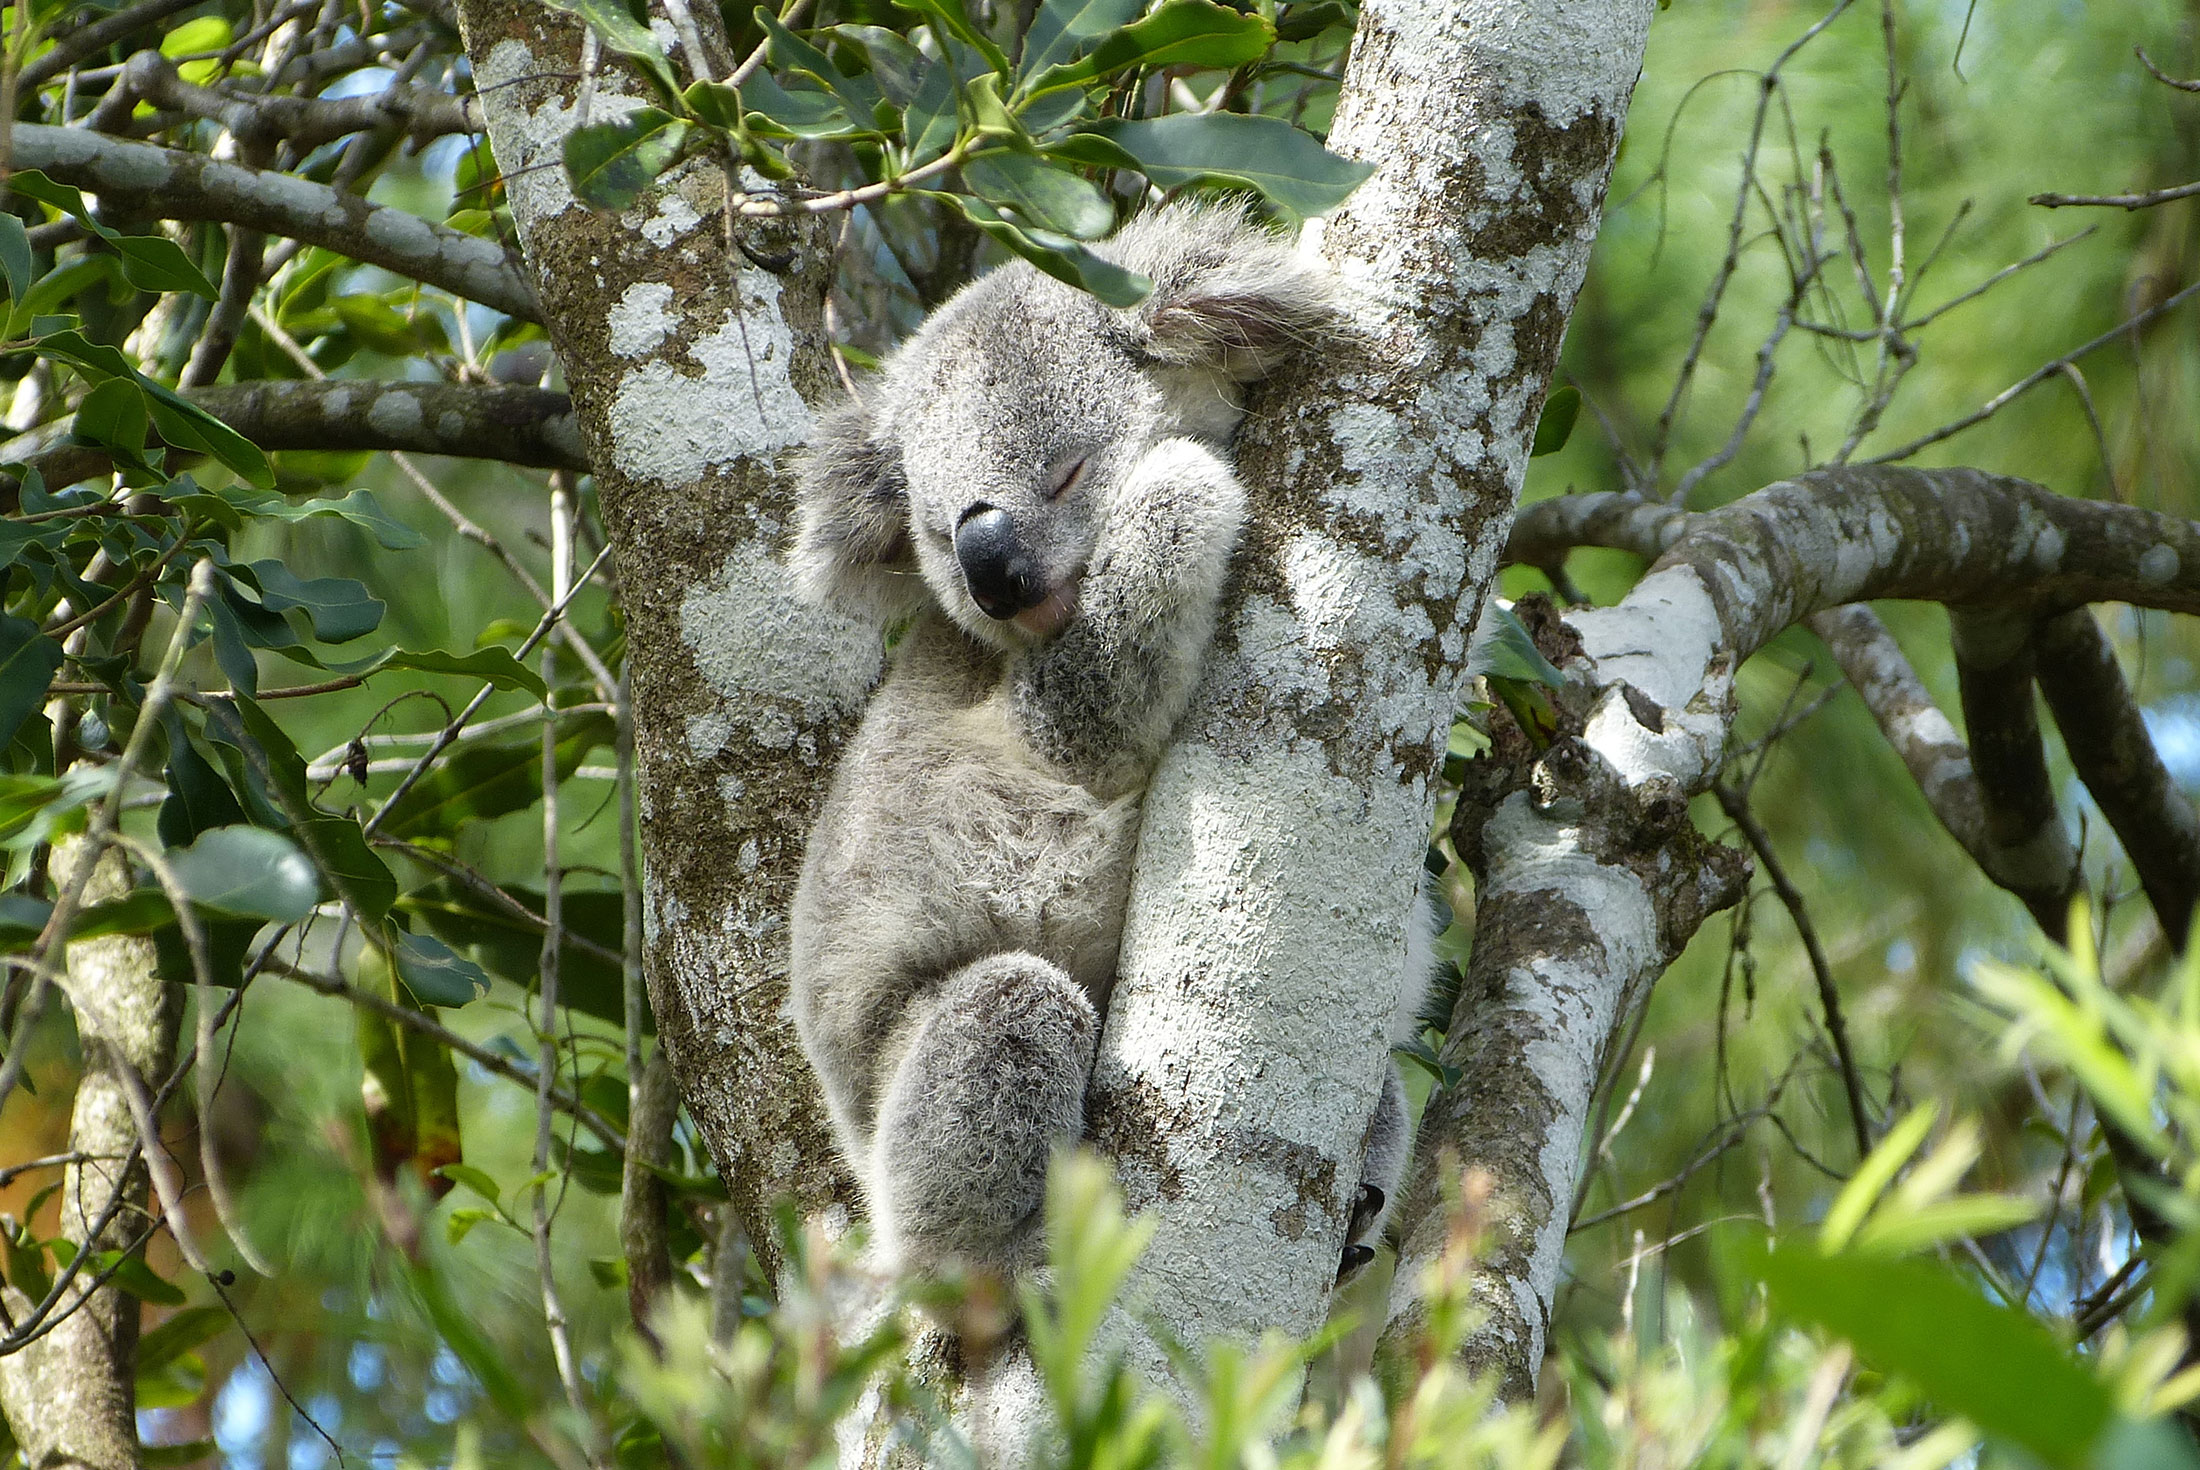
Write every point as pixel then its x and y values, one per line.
pixel 1065 476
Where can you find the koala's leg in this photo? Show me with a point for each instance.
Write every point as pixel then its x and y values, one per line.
pixel 991 1082
pixel 1102 697
pixel 1382 1170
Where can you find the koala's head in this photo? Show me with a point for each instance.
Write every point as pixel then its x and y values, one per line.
pixel 972 473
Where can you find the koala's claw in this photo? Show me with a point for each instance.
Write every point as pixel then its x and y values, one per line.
pixel 1367 1208
pixel 1355 1256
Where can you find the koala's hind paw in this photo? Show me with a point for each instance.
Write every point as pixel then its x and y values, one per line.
pixel 1367 1209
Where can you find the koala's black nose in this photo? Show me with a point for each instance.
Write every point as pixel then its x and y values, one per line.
pixel 1002 579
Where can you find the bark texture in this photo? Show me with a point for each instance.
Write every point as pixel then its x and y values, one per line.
pixel 71 1397
pixel 173 184
pixel 1245 1042
pixel 1589 880
pixel 691 373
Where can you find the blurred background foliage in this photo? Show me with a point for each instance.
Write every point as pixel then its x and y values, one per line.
pixel 404 1318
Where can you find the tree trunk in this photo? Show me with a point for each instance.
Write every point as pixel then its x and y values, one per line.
pixel 1246 1042
pixel 71 1396
pixel 691 373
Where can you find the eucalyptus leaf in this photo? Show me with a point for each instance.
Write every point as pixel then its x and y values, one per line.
pixel 248 872
pixel 610 163
pixel 1556 423
pixel 1062 27
pixel 1180 33
pixel 1058 255
pixel 1051 198
pixel 28 662
pixel 1233 149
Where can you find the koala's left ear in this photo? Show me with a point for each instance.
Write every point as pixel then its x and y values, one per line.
pixel 1229 294
pixel 851 547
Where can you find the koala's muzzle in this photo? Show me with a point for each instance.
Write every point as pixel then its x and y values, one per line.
pixel 1002 578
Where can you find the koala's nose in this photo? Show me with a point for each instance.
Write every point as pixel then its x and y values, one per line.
pixel 1002 579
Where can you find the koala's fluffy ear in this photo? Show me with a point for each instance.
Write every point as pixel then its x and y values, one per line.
pixel 851 548
pixel 1229 294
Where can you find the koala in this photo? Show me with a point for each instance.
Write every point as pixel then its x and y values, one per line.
pixel 1036 484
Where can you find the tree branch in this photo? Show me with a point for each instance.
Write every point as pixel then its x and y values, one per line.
pixel 2038 872
pixel 2115 757
pixel 521 426
pixel 187 186
pixel 420 113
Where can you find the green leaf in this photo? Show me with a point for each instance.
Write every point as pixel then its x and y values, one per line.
pixel 1051 198
pixel 610 163
pixel 1062 27
pixel 249 872
pixel 162 1456
pixel 199 800
pixel 509 945
pixel 340 608
pixel 477 1180
pixel 461 1222
pixel 1057 255
pixel 359 507
pixel 714 103
pixel 1508 652
pixel 493 665
pixel 140 911
pixel 1897 1232
pixel 113 413
pixel 1303 22
pixel 486 779
pixel 1180 33
pixel 930 122
pixel 188 426
pixel 436 974
pixel 1873 1175
pixel 179 1335
pixel 950 14
pixel 381 327
pixel 1556 423
pixel 1265 153
pixel 619 30
pixel 1996 1366
pixel 15 256
pixel 157 263
pixel 131 1274
pixel 28 662
pixel 790 53
pixel 795 112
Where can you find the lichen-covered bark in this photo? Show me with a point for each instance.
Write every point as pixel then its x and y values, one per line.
pixel 691 371
pixel 517 425
pixel 172 184
pixel 70 1397
pixel 1588 886
pixel 1245 1041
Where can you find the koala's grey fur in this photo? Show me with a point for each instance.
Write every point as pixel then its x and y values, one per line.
pixel 961 904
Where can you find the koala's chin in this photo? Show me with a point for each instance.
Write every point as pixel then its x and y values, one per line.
pixel 961 904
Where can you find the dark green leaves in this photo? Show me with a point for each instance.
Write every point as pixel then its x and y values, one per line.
pixel 436 974
pixel 1180 33
pixel 488 779
pixel 1050 198
pixel 1237 151
pixel 610 163
pixel 1058 255
pixel 149 262
pixel 28 662
pixel 1062 27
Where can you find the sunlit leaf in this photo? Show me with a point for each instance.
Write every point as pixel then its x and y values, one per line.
pixel 1180 33
pixel 1051 198
pixel 1058 255
pixel 249 872
pixel 1061 27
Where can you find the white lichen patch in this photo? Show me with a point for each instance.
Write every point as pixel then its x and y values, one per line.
pixel 673 217
pixel 2159 564
pixel 396 413
pixel 770 659
pixel 640 319
pixel 535 177
pixel 707 734
pixel 672 427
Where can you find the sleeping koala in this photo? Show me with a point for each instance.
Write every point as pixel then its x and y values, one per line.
pixel 1038 482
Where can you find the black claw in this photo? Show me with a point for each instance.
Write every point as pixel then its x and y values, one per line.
pixel 1366 1208
pixel 1355 1256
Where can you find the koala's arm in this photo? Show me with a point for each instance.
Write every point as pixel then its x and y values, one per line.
pixel 1101 697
